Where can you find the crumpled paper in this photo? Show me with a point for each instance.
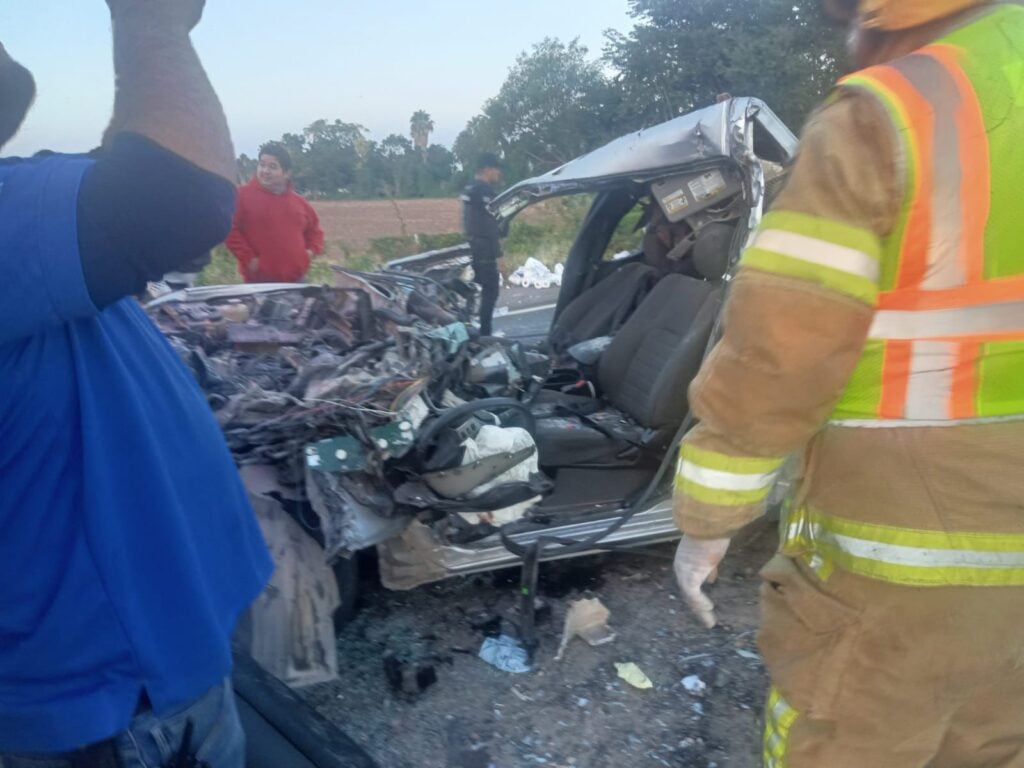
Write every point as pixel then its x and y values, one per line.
pixel 587 619
pixel 506 653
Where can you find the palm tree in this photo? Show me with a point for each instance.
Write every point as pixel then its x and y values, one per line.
pixel 420 126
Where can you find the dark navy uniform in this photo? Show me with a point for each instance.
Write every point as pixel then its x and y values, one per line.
pixel 484 237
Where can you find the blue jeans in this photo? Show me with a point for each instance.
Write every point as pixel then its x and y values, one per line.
pixel 153 742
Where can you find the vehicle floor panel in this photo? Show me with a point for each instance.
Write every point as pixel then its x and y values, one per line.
pixel 575 487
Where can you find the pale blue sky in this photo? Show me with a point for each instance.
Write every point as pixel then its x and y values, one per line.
pixel 278 65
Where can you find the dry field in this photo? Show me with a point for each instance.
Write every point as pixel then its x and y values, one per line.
pixel 354 223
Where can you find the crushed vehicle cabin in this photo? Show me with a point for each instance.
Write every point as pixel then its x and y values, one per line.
pixel 374 414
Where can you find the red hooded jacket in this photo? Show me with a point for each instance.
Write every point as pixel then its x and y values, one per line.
pixel 277 230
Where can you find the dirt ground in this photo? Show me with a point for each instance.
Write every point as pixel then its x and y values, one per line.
pixel 356 222
pixel 574 712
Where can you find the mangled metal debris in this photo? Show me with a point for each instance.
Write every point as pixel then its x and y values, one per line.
pixel 348 391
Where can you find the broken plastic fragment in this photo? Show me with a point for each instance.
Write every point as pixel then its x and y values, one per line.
pixel 587 619
pixel 694 685
pixel 506 653
pixel 455 335
pixel 633 675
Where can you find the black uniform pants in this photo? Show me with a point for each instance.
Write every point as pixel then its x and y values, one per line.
pixel 485 269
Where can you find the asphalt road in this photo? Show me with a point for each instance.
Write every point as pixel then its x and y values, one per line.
pixel 525 312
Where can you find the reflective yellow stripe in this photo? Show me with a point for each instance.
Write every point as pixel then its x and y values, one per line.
pixel 827 230
pixel 778 721
pixel 908 556
pixel 725 481
pixel 726 463
pixel 836 280
pixel 820 252
pixel 843 258
pixel 719 497
pixel 717 478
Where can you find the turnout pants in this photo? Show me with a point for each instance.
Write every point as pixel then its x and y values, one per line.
pixel 871 674
pixel 485 269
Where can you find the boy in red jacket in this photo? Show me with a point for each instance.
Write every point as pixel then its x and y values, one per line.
pixel 275 230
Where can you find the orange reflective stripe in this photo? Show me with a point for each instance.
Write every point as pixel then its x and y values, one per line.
pixel 988 292
pixel 920 117
pixel 964 398
pixel 895 379
pixel 975 163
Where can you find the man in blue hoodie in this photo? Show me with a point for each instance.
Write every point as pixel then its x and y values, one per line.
pixel 129 548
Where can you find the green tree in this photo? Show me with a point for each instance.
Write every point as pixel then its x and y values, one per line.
pixel 373 178
pixel 400 177
pixel 326 157
pixel 682 53
pixel 246 167
pixel 437 172
pixel 480 135
pixel 555 104
pixel 331 157
pixel 421 125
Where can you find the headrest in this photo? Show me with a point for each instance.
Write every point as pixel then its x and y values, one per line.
pixel 712 249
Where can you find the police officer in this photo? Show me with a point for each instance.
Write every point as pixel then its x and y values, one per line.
pixel 484 235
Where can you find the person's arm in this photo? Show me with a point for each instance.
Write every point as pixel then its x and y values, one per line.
pixel 163 92
pixel 77 233
pixel 796 320
pixel 162 190
pixel 313 234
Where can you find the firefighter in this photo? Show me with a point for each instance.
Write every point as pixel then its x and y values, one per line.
pixel 876 330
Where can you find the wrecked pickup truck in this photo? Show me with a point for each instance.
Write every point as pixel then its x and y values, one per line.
pixel 370 413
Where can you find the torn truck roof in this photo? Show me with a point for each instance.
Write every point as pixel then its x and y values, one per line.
pixel 704 135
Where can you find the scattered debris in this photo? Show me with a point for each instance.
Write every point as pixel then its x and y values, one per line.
pixel 748 654
pixel 490 627
pixel 463 748
pixel 535 274
pixel 694 685
pixel 520 695
pixel 633 675
pixel 587 619
pixel 695 657
pixel 408 678
pixel 506 653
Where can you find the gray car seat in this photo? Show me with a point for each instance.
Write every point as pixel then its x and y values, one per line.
pixel 603 309
pixel 644 375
